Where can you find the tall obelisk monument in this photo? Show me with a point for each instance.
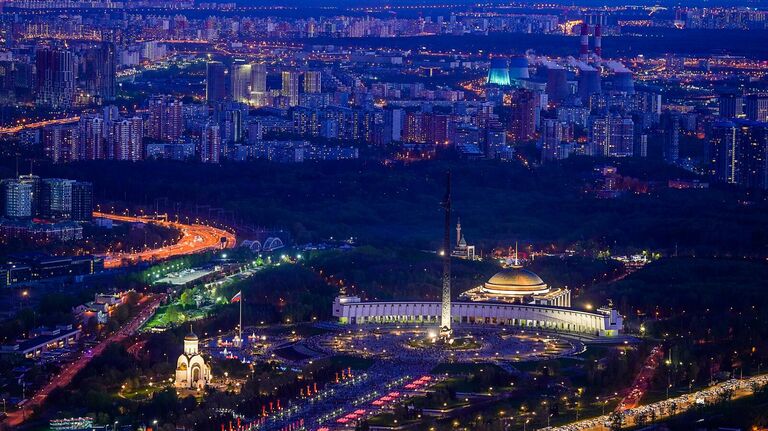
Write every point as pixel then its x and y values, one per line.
pixel 445 309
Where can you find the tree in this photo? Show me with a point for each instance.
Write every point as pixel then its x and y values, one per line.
pixel 186 298
pixel 172 314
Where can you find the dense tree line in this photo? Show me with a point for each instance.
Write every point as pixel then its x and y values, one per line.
pixel 498 202
pixel 710 314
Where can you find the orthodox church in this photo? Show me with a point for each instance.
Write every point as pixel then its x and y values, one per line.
pixel 192 372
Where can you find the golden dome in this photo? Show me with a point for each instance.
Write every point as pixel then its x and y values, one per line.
pixel 515 281
pixel 191 337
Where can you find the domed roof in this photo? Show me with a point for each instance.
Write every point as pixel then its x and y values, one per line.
pixel 515 280
pixel 190 337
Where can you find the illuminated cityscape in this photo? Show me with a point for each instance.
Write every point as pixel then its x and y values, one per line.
pixel 270 215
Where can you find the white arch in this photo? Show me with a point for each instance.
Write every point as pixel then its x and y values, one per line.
pixel 253 245
pixel 273 243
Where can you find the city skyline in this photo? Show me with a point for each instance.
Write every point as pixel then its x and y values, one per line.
pixel 356 215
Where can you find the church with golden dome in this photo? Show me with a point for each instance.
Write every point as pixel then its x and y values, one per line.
pixel 517 285
pixel 192 372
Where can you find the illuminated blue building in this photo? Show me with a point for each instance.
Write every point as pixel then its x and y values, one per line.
pixel 498 74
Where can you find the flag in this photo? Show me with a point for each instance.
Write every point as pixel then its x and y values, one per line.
pixel 237 297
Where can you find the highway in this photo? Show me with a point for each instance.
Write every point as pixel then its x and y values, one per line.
pixel 38 124
pixel 148 306
pixel 673 406
pixel 195 238
pixel 642 380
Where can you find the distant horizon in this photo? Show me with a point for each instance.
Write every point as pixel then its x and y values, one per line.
pixel 581 3
pixel 314 215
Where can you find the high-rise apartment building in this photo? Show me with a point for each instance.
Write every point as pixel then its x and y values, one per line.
pixel 56 198
pixel 553 133
pixel 93 134
pixel 259 77
pixel 127 139
pixel 210 143
pixel 98 72
pixel 731 105
pixel 242 76
pixel 17 196
pixel 259 84
pixel 215 82
pixel 413 128
pixel 53 198
pixel 61 143
pixel 524 111
pixel 166 119
pixel 307 121
pixel 55 79
pixel 739 153
pixel 612 136
pixel 313 81
pixel 670 123
pixel 290 87
pixel 436 128
pixel 756 107
pixel 82 201
pixel 233 130
pixel 36 186
pixel 722 151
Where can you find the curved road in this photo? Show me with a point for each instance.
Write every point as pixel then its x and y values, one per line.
pixel 195 238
